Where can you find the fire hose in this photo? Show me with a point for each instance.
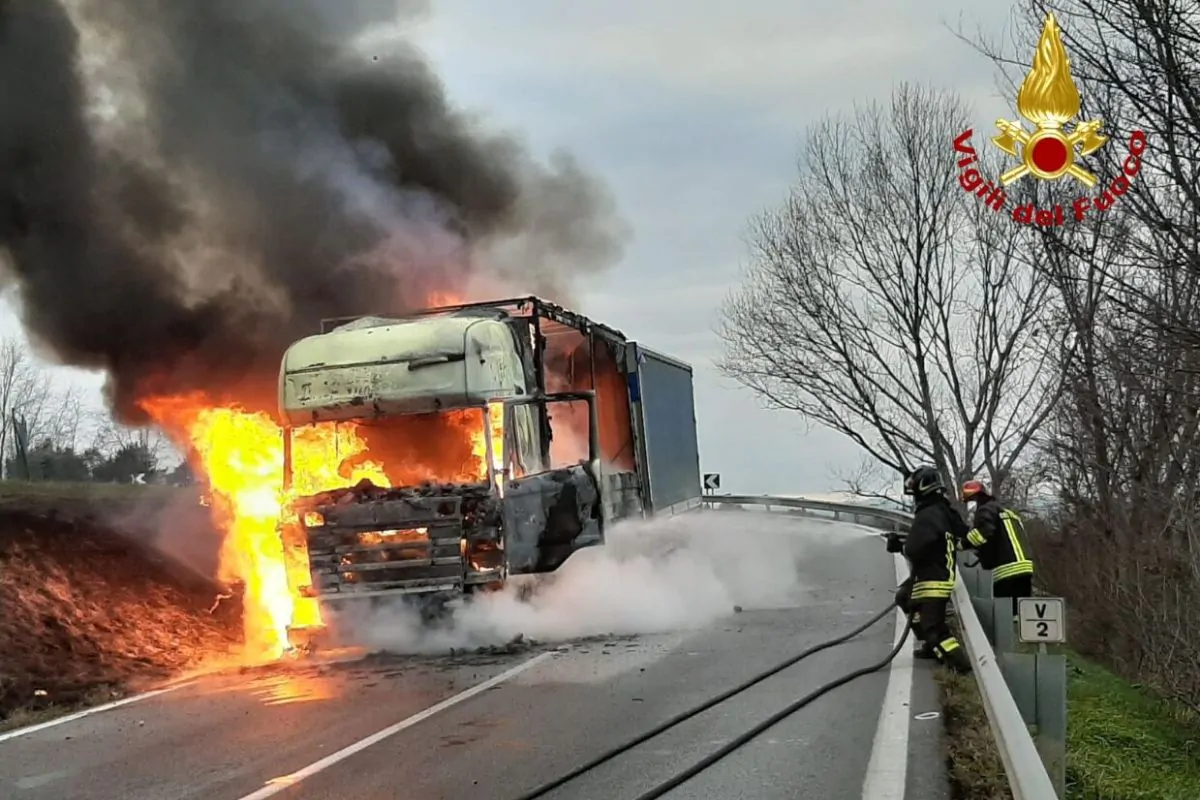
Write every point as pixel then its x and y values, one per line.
pixel 745 738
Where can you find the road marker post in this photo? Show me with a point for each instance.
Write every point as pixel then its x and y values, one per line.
pixel 1042 620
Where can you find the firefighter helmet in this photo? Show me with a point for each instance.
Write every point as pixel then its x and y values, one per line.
pixel 923 482
pixel 972 490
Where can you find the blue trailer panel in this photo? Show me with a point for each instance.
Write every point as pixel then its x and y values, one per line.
pixel 662 388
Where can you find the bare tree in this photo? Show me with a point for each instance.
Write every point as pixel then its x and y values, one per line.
pixel 889 305
pixel 25 391
pixel 112 436
pixel 871 480
pixel 66 419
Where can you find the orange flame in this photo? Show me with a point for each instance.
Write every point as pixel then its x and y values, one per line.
pixel 494 420
pixel 440 299
pixel 241 455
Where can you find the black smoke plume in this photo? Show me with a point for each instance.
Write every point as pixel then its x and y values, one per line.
pixel 186 186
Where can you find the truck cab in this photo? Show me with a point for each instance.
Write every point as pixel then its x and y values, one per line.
pixel 440 452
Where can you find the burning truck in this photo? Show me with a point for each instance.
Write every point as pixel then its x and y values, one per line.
pixel 472 443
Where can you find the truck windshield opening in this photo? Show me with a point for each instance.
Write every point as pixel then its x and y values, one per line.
pixel 395 451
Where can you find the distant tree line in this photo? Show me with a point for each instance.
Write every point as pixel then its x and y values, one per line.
pixel 46 434
pixel 130 463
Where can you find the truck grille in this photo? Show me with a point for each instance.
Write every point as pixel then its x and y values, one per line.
pixel 387 547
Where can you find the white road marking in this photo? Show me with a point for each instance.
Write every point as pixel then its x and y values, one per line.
pixel 87 712
pixel 38 781
pixel 887 770
pixel 277 785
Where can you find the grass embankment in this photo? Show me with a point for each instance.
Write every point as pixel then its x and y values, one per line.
pixel 89 608
pixel 78 500
pixel 976 772
pixel 1123 742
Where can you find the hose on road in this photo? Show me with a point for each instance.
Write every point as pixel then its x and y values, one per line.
pixel 745 738
pixel 667 786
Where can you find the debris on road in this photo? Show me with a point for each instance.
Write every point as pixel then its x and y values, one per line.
pixel 517 644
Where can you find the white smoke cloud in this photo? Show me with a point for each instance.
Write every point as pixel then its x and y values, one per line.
pixel 651 577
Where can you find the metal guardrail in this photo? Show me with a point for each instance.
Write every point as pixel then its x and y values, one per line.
pixel 1027 774
pixel 887 519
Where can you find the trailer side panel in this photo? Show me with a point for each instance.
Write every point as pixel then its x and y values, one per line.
pixel 662 387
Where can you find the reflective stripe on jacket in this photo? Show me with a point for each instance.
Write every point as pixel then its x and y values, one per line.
pixel 996 537
pixel 931 549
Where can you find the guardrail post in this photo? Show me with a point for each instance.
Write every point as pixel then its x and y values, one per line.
pixel 979 587
pixel 973 580
pixel 1051 739
pixel 1004 628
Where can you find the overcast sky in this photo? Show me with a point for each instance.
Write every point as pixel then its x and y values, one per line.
pixel 693 112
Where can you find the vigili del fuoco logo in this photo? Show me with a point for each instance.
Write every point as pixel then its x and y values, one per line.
pixel 1049 100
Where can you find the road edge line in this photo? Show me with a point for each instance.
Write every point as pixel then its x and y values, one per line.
pixel 276 785
pixel 87 712
pixel 887 769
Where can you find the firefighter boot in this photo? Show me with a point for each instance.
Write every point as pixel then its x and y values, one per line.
pixel 951 655
pixel 924 650
pixel 925 653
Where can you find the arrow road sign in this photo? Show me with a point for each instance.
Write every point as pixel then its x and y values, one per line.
pixel 1043 619
pixel 712 480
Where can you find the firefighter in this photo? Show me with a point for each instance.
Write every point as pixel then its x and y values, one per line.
pixel 932 552
pixel 996 536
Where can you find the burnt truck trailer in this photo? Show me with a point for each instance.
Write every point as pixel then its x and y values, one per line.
pixel 512 434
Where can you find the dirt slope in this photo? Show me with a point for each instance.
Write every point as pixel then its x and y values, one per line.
pixel 84 607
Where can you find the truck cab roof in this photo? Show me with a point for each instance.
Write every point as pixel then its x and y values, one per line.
pixel 373 366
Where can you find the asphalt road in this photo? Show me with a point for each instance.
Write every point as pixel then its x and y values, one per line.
pixel 374 729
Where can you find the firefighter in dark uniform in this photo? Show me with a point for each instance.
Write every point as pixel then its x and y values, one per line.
pixel 932 552
pixel 995 535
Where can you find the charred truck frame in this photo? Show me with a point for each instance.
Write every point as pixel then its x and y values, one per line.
pixel 535 378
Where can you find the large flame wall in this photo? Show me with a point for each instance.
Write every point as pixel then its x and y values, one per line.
pixel 241 455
